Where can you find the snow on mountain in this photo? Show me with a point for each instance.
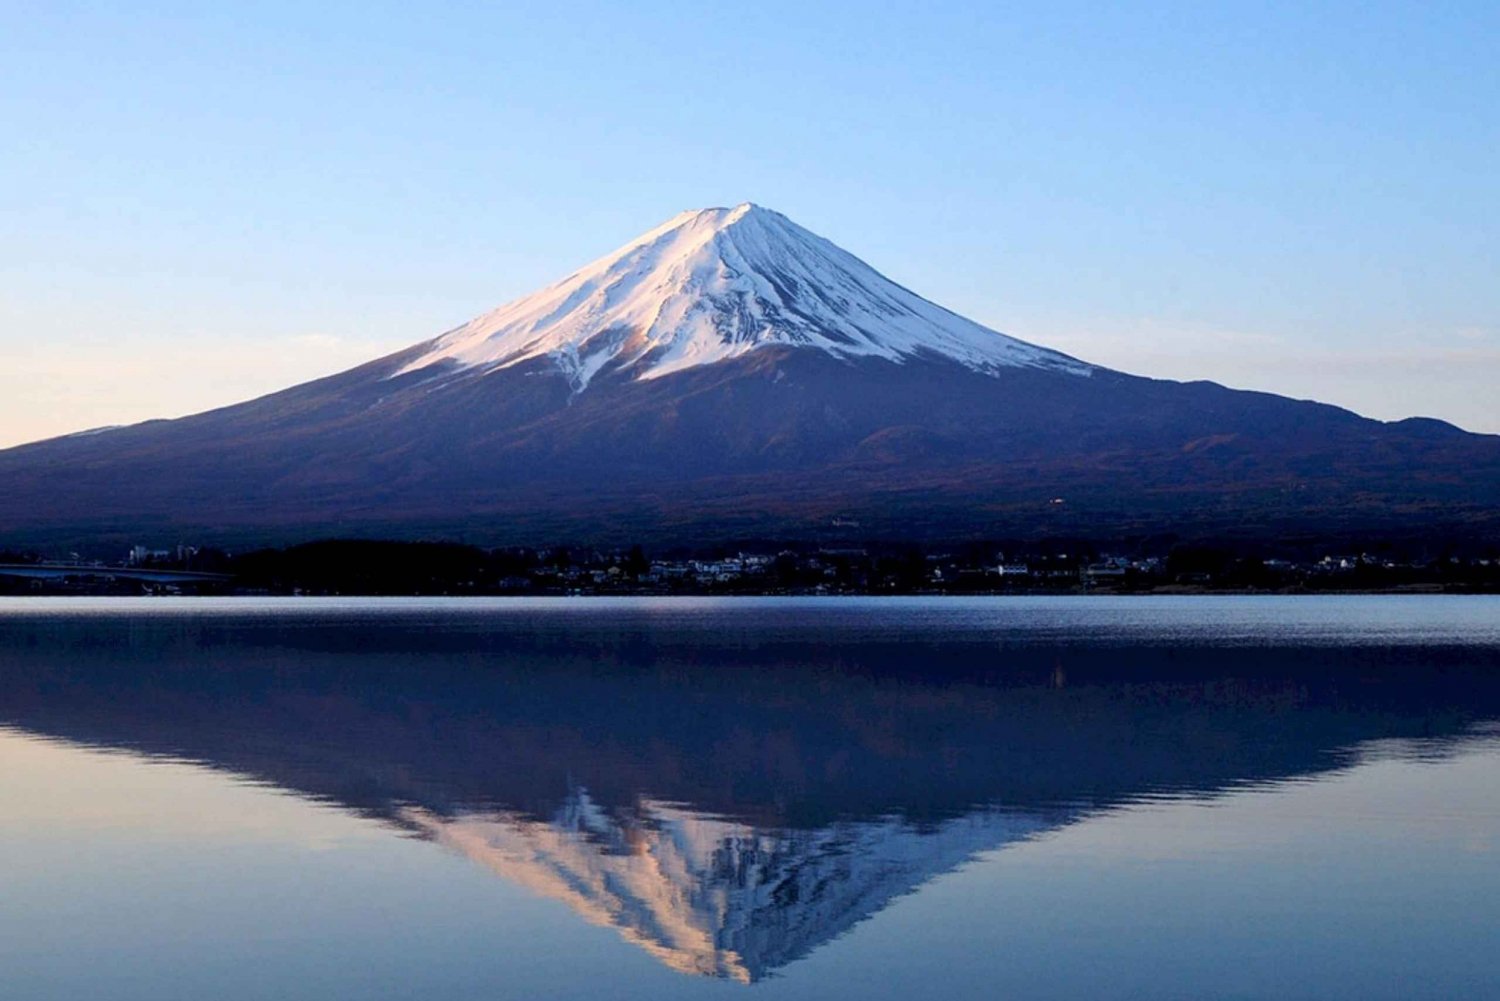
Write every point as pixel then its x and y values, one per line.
pixel 715 897
pixel 710 285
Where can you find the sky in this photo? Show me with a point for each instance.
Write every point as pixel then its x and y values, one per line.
pixel 201 203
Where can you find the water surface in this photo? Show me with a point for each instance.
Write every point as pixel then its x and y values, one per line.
pixel 1036 798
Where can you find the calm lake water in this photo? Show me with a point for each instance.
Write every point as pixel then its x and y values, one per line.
pixel 768 798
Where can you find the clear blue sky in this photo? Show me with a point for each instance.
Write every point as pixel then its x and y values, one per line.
pixel 199 203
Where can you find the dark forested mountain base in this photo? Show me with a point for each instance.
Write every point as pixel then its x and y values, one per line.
pixel 778 444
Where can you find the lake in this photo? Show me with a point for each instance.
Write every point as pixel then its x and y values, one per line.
pixel 1195 797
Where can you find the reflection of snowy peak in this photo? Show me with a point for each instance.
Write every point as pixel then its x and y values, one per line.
pixel 714 897
pixel 709 285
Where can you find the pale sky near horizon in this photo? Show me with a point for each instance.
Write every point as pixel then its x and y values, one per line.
pixel 199 204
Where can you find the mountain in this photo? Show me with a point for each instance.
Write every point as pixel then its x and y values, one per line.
pixel 731 374
pixel 709 286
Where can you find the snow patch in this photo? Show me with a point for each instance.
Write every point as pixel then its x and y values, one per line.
pixel 710 285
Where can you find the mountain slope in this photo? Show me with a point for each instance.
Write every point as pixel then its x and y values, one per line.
pixel 731 374
pixel 714 284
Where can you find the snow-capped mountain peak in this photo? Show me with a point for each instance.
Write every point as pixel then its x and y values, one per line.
pixel 713 284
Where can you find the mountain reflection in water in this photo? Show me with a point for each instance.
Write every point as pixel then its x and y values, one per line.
pixel 716 897
pixel 727 789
